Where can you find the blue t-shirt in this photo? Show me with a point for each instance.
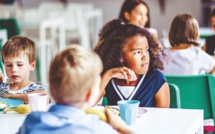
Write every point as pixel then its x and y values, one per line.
pixel 146 89
pixel 64 119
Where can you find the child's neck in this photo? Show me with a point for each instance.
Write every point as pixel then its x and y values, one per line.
pixel 18 86
pixel 181 46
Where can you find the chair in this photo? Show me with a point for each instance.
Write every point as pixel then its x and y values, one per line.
pixel 174 97
pixel 175 101
pixel 83 22
pixel 196 92
pixel 11 25
pixel 52 40
pixel 3 39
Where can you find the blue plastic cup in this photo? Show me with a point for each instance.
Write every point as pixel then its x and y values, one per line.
pixel 128 110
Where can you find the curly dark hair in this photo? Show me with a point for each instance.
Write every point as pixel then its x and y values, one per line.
pixel 114 36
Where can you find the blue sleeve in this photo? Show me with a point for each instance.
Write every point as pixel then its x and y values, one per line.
pixel 161 79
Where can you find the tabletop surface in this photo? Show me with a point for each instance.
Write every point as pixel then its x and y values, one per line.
pixel 154 121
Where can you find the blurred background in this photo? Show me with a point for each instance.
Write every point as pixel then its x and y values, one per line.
pixel 53 24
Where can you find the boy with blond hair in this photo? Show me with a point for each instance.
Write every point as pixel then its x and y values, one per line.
pixel 19 58
pixel 75 86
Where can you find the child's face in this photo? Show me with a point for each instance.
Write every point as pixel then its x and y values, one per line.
pixel 18 68
pixel 136 55
pixel 138 16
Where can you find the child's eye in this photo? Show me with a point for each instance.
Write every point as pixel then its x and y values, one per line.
pixel 20 65
pixel 8 65
pixel 137 52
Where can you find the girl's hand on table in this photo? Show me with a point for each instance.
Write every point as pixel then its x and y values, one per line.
pixel 123 73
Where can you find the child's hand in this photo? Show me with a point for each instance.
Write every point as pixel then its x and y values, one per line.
pixel 123 73
pixel 114 120
pixel 1 76
pixel 117 123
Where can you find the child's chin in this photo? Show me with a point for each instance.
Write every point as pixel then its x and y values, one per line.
pixel 143 72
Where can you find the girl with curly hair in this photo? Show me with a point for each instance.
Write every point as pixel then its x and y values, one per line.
pixel 131 58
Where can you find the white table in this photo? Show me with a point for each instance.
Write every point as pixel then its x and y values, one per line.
pixel 169 121
pixel 154 121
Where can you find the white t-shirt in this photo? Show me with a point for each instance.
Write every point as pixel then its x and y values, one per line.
pixel 126 90
pixel 190 61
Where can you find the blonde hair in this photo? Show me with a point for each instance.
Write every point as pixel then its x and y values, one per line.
pixel 72 73
pixel 18 45
pixel 184 29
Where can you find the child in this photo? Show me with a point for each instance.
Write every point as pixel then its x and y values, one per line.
pixel 136 12
pixel 18 56
pixel 74 79
pixel 131 59
pixel 185 57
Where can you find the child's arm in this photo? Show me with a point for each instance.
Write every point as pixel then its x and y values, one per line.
pixel 162 97
pixel 24 96
pixel 117 123
pixel 119 73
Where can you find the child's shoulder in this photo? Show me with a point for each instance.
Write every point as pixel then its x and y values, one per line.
pixel 3 86
pixel 156 75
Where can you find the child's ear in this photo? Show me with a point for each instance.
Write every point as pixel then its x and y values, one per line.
pixel 127 15
pixel 89 95
pixel 33 65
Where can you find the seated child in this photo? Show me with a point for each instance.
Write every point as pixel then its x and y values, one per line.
pixel 74 80
pixel 185 57
pixel 132 60
pixel 19 58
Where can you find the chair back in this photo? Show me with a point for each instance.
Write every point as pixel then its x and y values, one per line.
pixel 11 25
pixel 175 101
pixel 196 92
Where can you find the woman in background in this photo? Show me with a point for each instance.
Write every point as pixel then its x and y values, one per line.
pixel 136 12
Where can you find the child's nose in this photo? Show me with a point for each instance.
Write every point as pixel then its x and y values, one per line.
pixel 14 68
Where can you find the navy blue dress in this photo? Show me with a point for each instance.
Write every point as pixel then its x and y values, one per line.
pixel 145 91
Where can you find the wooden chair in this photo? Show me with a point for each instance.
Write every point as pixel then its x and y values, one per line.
pixel 196 92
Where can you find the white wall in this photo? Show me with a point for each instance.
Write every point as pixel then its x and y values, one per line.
pixel 159 20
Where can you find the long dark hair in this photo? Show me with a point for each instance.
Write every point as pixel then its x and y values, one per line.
pixel 129 5
pixel 114 36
